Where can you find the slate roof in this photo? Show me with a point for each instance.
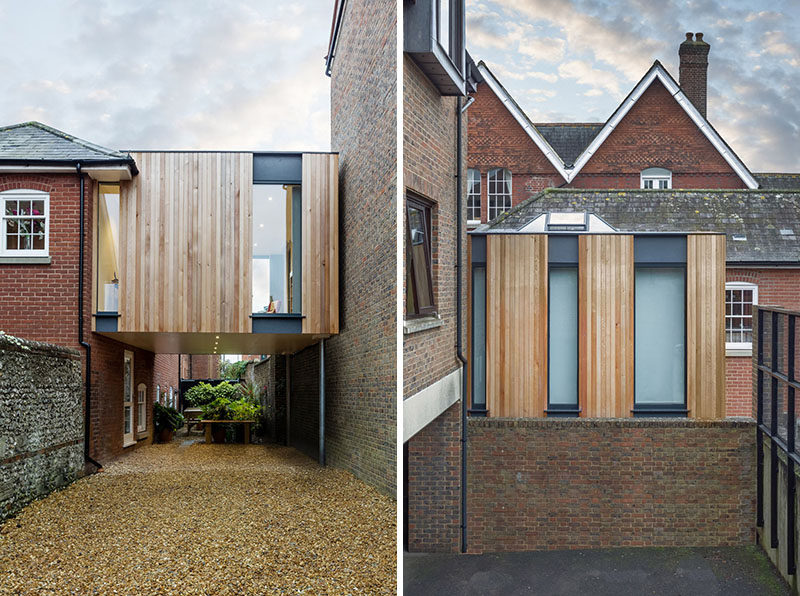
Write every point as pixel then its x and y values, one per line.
pixel 778 181
pixel 34 141
pixel 569 139
pixel 769 220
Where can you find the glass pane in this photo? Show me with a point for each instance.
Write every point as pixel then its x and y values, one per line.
pixel 660 373
pixel 419 256
pixel 11 226
pixel 444 25
pixel 24 225
pixel 563 337
pixel 108 248
pixel 128 428
pixel 25 242
pixel 479 337
pixel 11 207
pixel 24 208
pixel 38 242
pixel 38 208
pixel 12 242
pixel 271 234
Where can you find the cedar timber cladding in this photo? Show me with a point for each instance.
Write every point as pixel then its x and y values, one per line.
pixel 606 351
pixel 320 189
pixel 705 318
pixel 516 340
pixel 185 243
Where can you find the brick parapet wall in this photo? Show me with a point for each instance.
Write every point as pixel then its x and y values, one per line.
pixel 433 485
pixel 41 420
pixel 539 484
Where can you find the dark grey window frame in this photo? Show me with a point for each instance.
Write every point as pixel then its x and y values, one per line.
pixel 562 253
pixel 446 67
pixel 661 252
pixel 478 261
pixel 416 202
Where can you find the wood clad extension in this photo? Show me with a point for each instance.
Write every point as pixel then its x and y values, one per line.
pixel 516 325
pixel 705 325
pixel 606 356
pixel 185 243
pixel 320 243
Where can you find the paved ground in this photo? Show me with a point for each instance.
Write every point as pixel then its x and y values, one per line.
pixel 204 519
pixel 744 571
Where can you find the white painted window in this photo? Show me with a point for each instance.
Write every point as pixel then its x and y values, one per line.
pixel 158 394
pixel 473 196
pixel 656 178
pixel 739 300
pixel 127 400
pixel 171 398
pixel 141 408
pixel 25 226
pixel 498 183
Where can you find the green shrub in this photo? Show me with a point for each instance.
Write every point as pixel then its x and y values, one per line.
pixel 204 393
pixel 219 409
pixel 250 392
pixel 232 370
pixel 243 410
pixel 165 417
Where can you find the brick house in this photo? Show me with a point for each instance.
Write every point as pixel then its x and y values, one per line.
pixel 125 257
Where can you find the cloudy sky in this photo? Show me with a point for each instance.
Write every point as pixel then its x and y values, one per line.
pixel 170 74
pixel 575 60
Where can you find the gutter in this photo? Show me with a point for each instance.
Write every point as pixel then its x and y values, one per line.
pixel 85 345
pixel 126 161
pixel 459 323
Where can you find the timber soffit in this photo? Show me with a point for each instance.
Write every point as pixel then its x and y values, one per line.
pixel 657 71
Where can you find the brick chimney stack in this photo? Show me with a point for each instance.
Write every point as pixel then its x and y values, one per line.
pixel 694 70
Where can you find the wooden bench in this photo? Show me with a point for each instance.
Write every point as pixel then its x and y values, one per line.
pixel 209 423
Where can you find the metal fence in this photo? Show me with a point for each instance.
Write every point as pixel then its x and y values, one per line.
pixel 776 362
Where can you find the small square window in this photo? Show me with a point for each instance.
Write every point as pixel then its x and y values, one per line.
pixel 24 223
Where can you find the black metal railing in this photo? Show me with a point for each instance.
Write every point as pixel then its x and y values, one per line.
pixel 776 354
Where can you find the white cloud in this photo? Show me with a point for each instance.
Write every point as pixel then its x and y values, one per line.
pixel 586 74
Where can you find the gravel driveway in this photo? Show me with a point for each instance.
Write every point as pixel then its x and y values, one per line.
pixel 205 519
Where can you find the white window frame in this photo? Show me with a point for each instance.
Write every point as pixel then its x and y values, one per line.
pixel 25 195
pixel 171 398
pixel 158 394
pixel 491 198
pixel 735 348
pixel 128 436
pixel 473 198
pixel 141 408
pixel 652 179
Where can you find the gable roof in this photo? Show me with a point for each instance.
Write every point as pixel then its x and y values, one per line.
pixel 39 143
pixel 569 139
pixel 570 170
pixel 778 181
pixel 766 224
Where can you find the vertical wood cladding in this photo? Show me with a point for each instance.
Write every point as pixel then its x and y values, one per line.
pixel 320 243
pixel 516 339
pixel 606 353
pixel 185 238
pixel 705 329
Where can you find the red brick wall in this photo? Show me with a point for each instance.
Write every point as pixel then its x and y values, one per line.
pixel 199 366
pixel 496 140
pixel 40 302
pixel 433 486
pixel 656 132
pixel 776 287
pixel 576 483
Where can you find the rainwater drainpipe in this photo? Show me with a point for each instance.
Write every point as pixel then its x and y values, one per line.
pixel 81 249
pixel 459 329
pixel 322 402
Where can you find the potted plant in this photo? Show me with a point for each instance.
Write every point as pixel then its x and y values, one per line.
pixel 217 410
pixel 166 421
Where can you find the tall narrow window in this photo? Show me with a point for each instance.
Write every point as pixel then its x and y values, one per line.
pixel 141 408
pixel 127 399
pixel 660 330
pixel 107 247
pixel 419 285
pixel 739 300
pixel 273 236
pixel 479 337
pixel 473 195
pixel 444 24
pixel 498 183
pixel 562 353
pixel 25 226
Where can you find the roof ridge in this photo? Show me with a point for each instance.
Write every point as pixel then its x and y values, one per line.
pixel 68 137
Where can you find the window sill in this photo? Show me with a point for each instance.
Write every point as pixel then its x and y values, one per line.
pixel 128 444
pixel 739 352
pixel 140 436
pixel 421 324
pixel 25 260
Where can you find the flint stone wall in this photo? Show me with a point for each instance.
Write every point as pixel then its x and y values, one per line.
pixel 41 420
